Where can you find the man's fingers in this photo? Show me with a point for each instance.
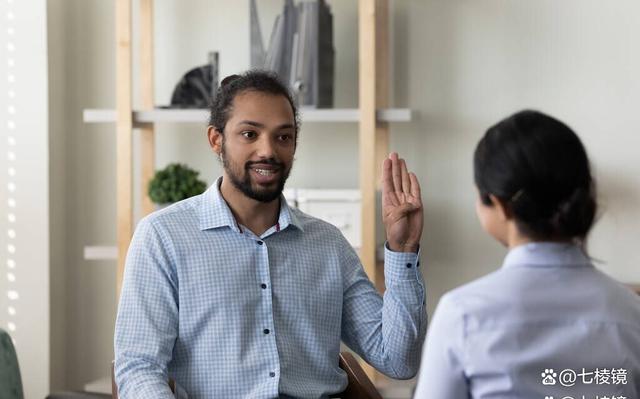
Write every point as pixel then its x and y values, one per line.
pixel 396 173
pixel 406 183
pixel 387 182
pixel 415 186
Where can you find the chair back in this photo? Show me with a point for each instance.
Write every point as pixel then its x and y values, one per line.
pixel 114 387
pixel 360 386
pixel 10 380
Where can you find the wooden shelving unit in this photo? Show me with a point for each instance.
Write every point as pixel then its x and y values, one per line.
pixel 372 116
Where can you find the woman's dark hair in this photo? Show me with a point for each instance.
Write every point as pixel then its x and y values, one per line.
pixel 254 80
pixel 538 167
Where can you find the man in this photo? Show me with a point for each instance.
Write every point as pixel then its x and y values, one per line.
pixel 233 294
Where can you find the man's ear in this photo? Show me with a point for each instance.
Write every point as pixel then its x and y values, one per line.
pixel 503 209
pixel 215 139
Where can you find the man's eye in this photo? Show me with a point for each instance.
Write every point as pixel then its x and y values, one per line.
pixel 284 137
pixel 250 134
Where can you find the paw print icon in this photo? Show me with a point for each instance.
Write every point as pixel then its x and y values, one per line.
pixel 549 377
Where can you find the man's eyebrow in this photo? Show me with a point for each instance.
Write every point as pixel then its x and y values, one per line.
pixel 260 125
pixel 286 126
pixel 251 123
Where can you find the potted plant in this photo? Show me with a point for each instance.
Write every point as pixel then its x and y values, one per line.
pixel 175 183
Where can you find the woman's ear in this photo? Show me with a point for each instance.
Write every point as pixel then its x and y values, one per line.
pixel 504 210
pixel 215 139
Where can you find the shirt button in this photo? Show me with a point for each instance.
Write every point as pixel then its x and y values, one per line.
pixel 263 286
pixel 260 242
pixel 272 374
pixel 266 331
pixel 408 265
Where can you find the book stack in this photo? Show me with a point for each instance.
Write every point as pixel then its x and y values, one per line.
pixel 300 50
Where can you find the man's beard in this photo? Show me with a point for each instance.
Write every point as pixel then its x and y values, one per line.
pixel 244 183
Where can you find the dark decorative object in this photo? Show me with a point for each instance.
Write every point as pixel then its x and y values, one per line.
pixel 197 87
pixel 175 183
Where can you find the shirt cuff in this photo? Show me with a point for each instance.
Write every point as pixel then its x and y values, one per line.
pixel 401 265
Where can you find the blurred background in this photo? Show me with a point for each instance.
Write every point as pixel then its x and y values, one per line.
pixel 459 65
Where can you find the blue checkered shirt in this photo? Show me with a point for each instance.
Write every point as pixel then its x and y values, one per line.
pixel 228 314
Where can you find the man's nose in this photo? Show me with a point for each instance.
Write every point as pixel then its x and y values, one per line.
pixel 265 147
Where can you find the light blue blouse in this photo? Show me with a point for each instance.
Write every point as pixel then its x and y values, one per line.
pixel 547 325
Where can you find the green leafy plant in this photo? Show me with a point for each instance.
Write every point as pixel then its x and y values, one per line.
pixel 175 183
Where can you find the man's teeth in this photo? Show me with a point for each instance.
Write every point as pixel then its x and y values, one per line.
pixel 265 172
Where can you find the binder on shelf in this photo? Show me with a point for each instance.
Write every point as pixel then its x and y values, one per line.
pixel 300 50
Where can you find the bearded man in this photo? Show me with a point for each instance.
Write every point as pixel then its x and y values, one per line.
pixel 233 294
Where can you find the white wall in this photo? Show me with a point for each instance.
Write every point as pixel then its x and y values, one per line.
pixel 465 65
pixel 24 189
pixel 462 65
pixel 83 300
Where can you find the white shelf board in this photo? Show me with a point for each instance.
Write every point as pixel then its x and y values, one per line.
pixel 201 116
pixel 102 385
pixel 100 252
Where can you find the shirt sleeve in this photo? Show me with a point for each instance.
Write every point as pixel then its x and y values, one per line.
pixel 147 321
pixel 386 331
pixel 442 372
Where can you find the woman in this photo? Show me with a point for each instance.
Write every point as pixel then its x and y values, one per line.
pixel 547 324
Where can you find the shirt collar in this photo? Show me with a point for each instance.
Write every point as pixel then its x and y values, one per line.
pixel 214 211
pixel 287 216
pixel 546 254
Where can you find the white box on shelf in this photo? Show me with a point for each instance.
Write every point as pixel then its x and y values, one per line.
pixel 291 195
pixel 340 207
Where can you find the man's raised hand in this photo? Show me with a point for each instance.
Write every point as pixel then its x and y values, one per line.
pixel 402 212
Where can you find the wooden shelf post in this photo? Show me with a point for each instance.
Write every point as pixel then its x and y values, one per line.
pixel 147 131
pixel 124 130
pixel 373 135
pixel 124 121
